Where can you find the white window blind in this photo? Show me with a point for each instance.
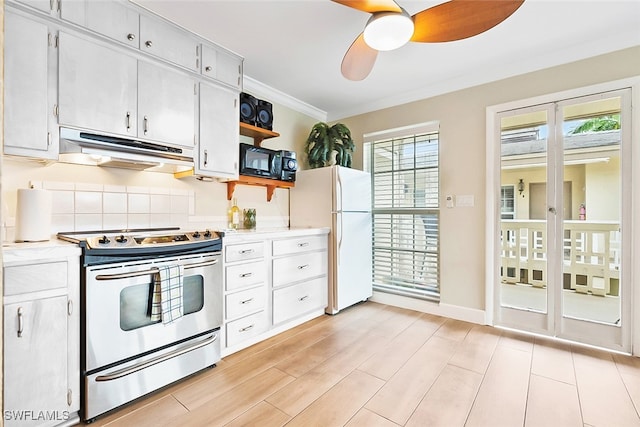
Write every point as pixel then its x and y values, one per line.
pixel 507 202
pixel 404 167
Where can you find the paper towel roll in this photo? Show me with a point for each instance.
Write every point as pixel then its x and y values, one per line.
pixel 33 215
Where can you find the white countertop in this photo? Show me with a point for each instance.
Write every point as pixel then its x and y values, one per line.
pixel 56 248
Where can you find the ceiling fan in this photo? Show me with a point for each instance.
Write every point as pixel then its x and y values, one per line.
pixel 390 27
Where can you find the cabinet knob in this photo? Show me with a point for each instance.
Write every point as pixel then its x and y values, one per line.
pixel 148 43
pixel 131 36
pixel 207 68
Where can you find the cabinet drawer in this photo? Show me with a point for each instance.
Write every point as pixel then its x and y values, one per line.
pixel 299 299
pixel 35 277
pixel 245 302
pixel 245 328
pixel 299 244
pixel 244 251
pixel 247 274
pixel 299 267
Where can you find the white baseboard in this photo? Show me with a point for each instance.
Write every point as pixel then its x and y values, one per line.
pixel 457 312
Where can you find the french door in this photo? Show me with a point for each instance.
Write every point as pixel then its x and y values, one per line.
pixel 565 202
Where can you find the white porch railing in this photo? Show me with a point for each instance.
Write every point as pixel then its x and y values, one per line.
pixel 591 255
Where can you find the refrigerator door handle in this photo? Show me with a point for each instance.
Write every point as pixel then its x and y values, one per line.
pixel 338 238
pixel 338 200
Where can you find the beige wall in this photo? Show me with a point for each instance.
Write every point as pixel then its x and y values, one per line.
pixel 462 117
pixel 603 195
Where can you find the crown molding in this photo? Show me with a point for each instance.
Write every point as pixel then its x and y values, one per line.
pixel 259 89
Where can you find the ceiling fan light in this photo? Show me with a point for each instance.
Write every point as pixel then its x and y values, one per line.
pixel 388 30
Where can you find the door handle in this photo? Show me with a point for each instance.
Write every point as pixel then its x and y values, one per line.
pixel 145 125
pixel 552 210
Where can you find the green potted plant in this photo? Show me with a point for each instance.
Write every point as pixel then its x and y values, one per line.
pixel 324 140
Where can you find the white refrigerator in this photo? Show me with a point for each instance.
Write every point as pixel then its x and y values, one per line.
pixel 338 198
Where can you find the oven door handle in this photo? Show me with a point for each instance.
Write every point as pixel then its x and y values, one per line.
pixel 150 271
pixel 140 366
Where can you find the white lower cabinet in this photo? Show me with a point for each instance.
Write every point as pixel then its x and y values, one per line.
pixel 273 284
pixel 294 300
pixel 41 338
pixel 245 300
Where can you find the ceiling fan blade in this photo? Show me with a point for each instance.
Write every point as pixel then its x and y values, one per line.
pixel 460 19
pixel 371 6
pixel 359 59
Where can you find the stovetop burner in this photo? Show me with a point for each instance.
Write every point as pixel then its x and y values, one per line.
pixel 142 241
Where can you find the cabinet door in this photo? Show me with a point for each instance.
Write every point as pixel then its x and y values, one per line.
pixel 27 112
pixel 166 41
pixel 229 69
pixel 222 66
pixel 43 5
pixel 35 360
pixel 114 20
pixel 166 105
pixel 219 136
pixel 97 87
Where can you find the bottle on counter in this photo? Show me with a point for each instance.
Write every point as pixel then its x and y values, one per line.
pixel 234 215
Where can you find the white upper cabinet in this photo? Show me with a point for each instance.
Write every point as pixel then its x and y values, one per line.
pixel 222 66
pixel 219 136
pixel 98 87
pixel 42 5
pixel 165 41
pixel 113 19
pixel 166 105
pixel 103 89
pixel 29 97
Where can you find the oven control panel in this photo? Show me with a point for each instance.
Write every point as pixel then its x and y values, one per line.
pixel 123 240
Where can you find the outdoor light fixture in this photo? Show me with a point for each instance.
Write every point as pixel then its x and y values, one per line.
pixel 388 30
pixel 520 186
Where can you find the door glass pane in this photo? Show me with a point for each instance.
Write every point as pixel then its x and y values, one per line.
pixel 523 225
pixel 592 203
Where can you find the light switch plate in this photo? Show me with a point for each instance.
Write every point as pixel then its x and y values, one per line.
pixel 465 201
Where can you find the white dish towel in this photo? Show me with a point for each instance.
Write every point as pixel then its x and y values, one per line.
pixel 167 298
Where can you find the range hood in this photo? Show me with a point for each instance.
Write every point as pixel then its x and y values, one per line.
pixel 84 147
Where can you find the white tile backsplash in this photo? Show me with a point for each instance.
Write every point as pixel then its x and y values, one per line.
pixel 138 220
pixel 138 203
pixel 114 203
pixel 62 202
pixel 86 206
pixel 116 221
pixel 88 202
pixel 160 204
pixel 86 222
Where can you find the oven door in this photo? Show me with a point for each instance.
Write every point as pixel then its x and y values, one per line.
pixel 117 315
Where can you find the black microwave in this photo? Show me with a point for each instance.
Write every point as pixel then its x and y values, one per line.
pixel 265 163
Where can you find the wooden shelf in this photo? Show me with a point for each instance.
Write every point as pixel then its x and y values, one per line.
pixel 271 185
pixel 258 134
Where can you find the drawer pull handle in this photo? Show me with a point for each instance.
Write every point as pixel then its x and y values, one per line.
pixel 247 301
pixel 303 298
pixel 207 68
pixel 20 322
pixel 148 43
pixel 243 275
pixel 246 251
pixel 131 36
pixel 246 328
pixel 303 244
pixel 302 267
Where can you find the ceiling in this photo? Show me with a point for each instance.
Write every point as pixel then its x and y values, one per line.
pixel 295 47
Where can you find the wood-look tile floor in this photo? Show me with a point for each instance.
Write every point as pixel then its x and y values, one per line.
pixel 375 365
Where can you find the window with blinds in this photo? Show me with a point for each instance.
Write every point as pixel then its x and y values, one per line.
pixel 507 202
pixel 404 167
